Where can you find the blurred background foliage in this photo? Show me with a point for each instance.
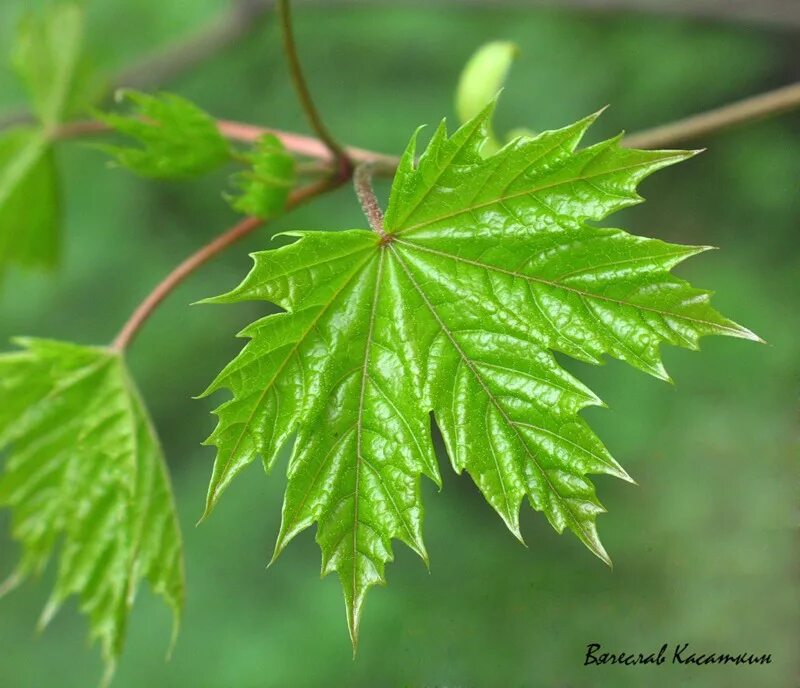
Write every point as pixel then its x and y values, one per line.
pixel 705 548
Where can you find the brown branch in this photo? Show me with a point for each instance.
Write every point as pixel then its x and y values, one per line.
pixel 79 129
pixel 750 109
pixel 248 133
pixel 303 145
pixel 741 112
pixel 240 230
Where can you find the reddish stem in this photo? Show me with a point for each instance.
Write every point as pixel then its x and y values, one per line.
pixel 703 124
pixel 302 145
pixel 72 130
pixel 240 230
pixel 248 133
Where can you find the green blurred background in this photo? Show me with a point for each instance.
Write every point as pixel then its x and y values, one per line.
pixel 705 548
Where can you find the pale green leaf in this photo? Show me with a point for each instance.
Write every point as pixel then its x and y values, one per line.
pixel 174 137
pixel 264 187
pixel 84 475
pixel 490 265
pixel 29 200
pixel 48 58
pixel 481 79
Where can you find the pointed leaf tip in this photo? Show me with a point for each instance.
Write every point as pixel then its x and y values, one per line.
pixel 745 333
pixel 596 547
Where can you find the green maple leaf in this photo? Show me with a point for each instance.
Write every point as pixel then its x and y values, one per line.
pixel 489 265
pixel 47 56
pixel 84 474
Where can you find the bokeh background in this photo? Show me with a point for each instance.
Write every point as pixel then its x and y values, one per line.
pixel 705 548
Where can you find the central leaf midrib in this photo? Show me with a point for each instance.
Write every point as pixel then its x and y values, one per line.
pixel 359 430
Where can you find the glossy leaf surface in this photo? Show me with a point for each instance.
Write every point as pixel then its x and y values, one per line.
pixel 84 475
pixel 491 265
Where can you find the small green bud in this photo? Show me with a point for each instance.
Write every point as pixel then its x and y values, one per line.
pixel 483 76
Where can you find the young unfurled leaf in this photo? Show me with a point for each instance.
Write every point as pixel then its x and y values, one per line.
pixel 84 473
pixel 264 187
pixel 48 58
pixel 29 202
pixel 481 79
pixel 489 265
pixel 176 138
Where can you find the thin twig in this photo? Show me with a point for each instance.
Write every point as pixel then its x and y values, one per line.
pixel 750 109
pixel 248 133
pixel 79 129
pixel 743 111
pixel 145 309
pixel 303 92
pixel 362 181
pixel 757 107
pixel 240 230
pixel 304 145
